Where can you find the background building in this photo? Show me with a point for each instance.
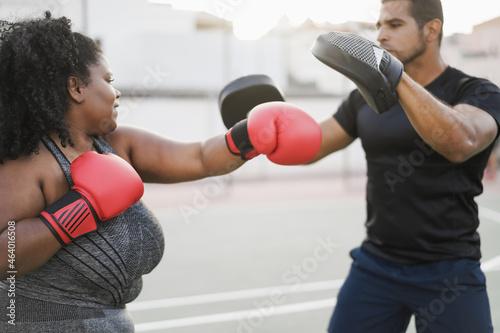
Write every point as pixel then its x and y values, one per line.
pixel 170 64
pixel 156 49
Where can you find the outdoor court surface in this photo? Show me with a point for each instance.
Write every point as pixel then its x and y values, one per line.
pixel 267 255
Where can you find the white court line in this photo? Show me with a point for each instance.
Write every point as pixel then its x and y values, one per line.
pixel 488 266
pixel 490 214
pixel 247 317
pixel 235 295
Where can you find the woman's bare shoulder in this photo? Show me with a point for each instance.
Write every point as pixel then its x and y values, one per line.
pixel 123 139
pixel 28 184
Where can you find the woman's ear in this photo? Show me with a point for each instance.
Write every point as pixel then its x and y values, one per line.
pixel 74 89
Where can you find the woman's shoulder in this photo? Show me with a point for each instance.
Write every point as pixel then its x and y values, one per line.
pixel 124 137
pixel 22 169
pixel 29 183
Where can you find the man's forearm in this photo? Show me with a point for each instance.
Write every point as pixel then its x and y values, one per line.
pixel 451 131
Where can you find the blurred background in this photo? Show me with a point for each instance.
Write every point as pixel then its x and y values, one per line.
pixel 171 58
pixel 265 248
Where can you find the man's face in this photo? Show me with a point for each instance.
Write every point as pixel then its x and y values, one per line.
pixel 398 31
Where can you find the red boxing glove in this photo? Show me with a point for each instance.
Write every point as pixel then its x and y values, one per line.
pixel 105 186
pixel 280 130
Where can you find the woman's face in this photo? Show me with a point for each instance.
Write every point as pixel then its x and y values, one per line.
pixel 97 114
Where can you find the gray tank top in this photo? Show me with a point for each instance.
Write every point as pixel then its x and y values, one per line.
pixel 87 283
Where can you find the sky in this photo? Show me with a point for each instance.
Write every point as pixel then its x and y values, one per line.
pixel 460 15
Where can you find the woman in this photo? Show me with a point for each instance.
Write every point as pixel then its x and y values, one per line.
pixel 58 106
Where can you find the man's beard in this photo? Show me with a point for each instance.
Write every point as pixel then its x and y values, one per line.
pixel 408 57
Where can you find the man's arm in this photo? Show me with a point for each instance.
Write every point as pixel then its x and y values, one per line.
pixel 457 133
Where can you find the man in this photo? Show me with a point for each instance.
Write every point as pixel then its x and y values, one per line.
pixel 425 160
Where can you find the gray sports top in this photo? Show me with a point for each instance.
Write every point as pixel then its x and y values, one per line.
pixel 84 287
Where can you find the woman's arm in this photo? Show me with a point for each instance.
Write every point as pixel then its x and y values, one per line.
pixel 25 245
pixel 30 242
pixel 104 186
pixel 286 134
pixel 159 159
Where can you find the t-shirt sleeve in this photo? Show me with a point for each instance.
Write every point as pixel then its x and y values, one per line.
pixel 347 113
pixel 482 94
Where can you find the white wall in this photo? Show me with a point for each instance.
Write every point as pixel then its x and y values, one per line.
pixel 152 47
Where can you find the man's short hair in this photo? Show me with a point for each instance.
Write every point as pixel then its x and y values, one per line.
pixel 424 11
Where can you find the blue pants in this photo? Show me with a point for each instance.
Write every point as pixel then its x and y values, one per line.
pixel 379 296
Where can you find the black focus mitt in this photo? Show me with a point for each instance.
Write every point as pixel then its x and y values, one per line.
pixel 240 96
pixel 375 71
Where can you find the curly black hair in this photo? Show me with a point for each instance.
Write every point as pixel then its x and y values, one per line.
pixel 37 57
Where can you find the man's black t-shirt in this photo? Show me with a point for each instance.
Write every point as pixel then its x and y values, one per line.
pixel 420 206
